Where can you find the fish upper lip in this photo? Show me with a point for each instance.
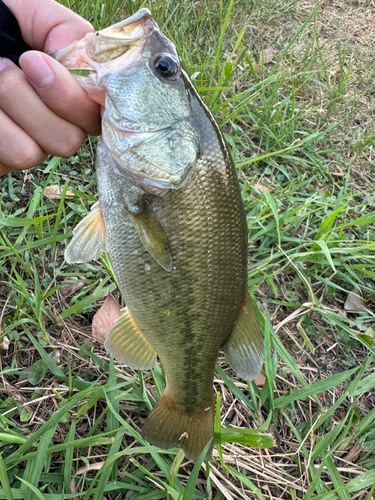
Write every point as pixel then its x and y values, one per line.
pixel 135 17
pixel 148 25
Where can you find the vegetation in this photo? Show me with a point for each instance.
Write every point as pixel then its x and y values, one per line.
pixel 291 83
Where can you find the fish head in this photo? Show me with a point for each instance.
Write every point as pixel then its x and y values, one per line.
pixel 135 72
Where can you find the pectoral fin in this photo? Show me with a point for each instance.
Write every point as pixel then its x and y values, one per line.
pixel 244 349
pixel 89 240
pixel 153 236
pixel 127 344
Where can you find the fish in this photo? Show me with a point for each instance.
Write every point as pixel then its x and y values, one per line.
pixel 171 217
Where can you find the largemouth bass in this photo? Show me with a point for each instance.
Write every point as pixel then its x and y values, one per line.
pixel 171 216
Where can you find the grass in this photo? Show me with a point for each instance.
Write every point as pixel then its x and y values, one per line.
pixel 291 84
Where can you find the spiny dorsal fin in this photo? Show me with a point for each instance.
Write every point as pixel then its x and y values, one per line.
pixel 89 240
pixel 153 236
pixel 127 344
pixel 244 349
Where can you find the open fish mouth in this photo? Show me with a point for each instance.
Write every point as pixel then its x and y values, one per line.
pixel 104 48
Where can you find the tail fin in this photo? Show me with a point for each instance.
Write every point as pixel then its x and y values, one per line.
pixel 169 426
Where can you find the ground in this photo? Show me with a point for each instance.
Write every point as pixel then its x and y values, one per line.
pixel 291 83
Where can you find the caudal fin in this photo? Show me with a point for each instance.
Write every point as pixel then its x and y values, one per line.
pixel 169 426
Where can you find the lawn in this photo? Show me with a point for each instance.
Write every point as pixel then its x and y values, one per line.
pixel 291 83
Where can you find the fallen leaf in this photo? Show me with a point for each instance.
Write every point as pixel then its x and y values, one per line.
pixel 87 468
pixel 73 488
pixel 55 355
pixel 267 54
pixel 336 74
pixel 105 318
pixel 260 380
pixel 54 192
pixel 71 288
pixel 276 438
pixel 328 341
pixel 5 344
pixel 354 301
pixel 262 188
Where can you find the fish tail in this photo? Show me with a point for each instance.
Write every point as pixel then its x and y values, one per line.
pixel 169 425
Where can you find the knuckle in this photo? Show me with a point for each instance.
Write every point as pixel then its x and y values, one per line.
pixel 10 83
pixel 68 104
pixel 27 157
pixel 70 142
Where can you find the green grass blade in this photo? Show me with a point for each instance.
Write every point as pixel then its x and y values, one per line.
pixel 68 457
pixel 4 480
pixel 313 389
pixel 247 437
pixel 190 486
pixel 38 463
pixel 31 490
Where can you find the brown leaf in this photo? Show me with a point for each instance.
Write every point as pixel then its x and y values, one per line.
pixel 276 439
pixel 328 341
pixel 267 54
pixel 73 486
pixel 54 192
pixel 262 188
pixel 354 301
pixel 105 318
pixel 260 380
pixel 71 288
pixel 5 344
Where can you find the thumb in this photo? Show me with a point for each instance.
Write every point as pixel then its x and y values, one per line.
pixel 65 33
pixel 60 91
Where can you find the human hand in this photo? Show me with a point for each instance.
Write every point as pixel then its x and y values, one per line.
pixel 43 110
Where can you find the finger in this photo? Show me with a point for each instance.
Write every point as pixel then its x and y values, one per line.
pixel 18 151
pixel 46 25
pixel 4 170
pixel 59 90
pixel 23 105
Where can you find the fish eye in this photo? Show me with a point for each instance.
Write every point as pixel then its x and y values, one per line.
pixel 166 66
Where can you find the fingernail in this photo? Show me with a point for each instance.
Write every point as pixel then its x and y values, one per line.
pixel 36 68
pixel 3 63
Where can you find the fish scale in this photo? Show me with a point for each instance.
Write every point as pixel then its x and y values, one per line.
pixel 172 219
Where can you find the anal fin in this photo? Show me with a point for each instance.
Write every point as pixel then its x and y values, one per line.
pixel 153 236
pixel 127 344
pixel 244 349
pixel 89 240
